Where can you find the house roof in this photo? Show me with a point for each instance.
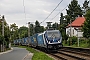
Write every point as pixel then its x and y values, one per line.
pixel 78 22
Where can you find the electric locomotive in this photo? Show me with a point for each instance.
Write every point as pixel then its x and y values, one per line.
pixel 53 39
pixel 49 39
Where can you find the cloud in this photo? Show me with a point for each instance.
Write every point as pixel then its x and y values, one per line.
pixel 34 10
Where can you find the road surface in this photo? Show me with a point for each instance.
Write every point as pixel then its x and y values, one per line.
pixel 16 54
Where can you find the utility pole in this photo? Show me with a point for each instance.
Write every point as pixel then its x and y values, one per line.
pixel 70 32
pixel 3 25
pixel 1 44
pixel 78 36
pixel 29 31
pixel 3 30
pixel 33 29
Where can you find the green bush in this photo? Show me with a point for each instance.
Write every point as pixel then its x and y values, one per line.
pixel 1 39
pixel 74 40
pixel 89 43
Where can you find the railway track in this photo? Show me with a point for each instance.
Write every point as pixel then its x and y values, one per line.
pixel 71 54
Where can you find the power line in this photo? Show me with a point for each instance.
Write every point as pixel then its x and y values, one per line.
pixel 59 12
pixel 52 11
pixel 24 9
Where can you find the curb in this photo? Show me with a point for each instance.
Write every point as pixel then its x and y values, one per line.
pixel 28 56
pixel 6 51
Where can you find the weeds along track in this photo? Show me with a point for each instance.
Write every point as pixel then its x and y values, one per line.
pixel 68 53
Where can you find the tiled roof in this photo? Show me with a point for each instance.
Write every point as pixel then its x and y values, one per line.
pixel 78 22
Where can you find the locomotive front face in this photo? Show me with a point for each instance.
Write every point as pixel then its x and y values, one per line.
pixel 53 37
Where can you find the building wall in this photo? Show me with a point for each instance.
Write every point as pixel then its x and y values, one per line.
pixel 80 33
pixel 74 32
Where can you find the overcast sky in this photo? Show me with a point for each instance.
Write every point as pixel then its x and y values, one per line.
pixel 13 10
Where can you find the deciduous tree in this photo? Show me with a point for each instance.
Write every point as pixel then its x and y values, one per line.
pixel 86 27
pixel 73 11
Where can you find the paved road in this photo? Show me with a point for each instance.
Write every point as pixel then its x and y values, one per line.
pixel 16 54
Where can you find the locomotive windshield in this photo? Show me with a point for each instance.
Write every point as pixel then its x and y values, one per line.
pixel 53 34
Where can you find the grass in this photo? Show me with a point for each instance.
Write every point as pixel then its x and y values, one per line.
pixel 37 54
pixel 41 56
pixel 82 44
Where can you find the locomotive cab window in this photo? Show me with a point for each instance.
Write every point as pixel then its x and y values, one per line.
pixel 52 34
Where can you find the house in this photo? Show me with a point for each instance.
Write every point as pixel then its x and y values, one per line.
pixel 75 28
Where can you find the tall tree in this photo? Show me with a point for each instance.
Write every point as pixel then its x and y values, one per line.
pixel 32 29
pixel 73 11
pixel 14 31
pixel 55 25
pixel 85 6
pixel 86 27
pixel 61 19
pixel 38 28
pixel 6 36
pixel 63 30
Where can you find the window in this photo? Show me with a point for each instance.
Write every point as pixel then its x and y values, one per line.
pixel 73 31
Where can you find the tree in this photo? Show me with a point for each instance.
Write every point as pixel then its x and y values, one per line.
pixel 38 28
pixel 61 19
pixel 73 11
pixel 6 37
pixel 63 31
pixel 86 27
pixel 55 25
pixel 42 29
pixel 0 27
pixel 32 29
pixel 1 39
pixel 23 32
pixel 85 6
pixel 14 31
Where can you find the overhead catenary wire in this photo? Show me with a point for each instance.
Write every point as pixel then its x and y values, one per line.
pixel 60 12
pixel 52 11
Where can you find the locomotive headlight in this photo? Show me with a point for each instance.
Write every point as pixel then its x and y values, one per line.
pixel 48 41
pixel 60 40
